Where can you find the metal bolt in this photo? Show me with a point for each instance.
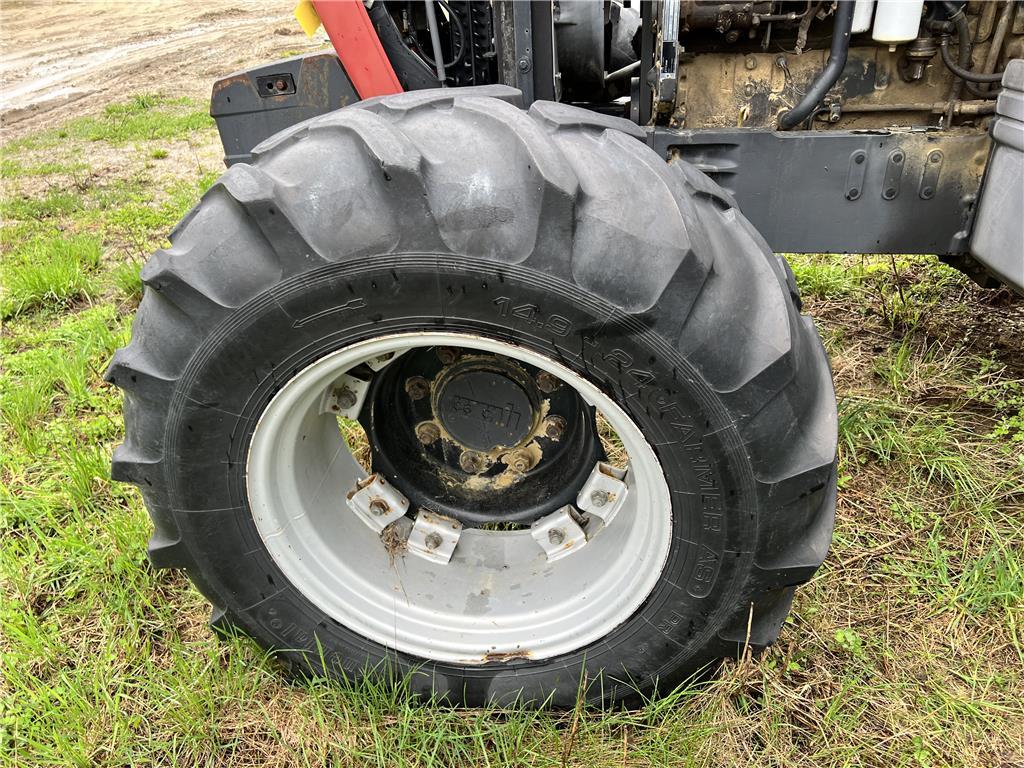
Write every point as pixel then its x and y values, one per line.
pixel 935 157
pixel 599 498
pixel 554 427
pixel 417 387
pixel 447 355
pixel 556 536
pixel 432 540
pixel 750 62
pixel 547 383
pixel 471 462
pixel 427 432
pixel 280 85
pixel 519 461
pixel 346 397
pixel 732 36
pixel 379 507
pixel 524 64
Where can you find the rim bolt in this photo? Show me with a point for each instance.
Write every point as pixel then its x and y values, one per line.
pixel 471 462
pixel 556 536
pixel 519 461
pixel 599 498
pixel 346 397
pixel 547 383
pixel 417 387
pixel 432 540
pixel 427 432
pixel 554 427
pixel 447 355
pixel 379 507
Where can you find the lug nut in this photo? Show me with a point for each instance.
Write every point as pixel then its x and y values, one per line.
pixel 432 540
pixel 447 355
pixel 519 461
pixel 554 427
pixel 417 387
pixel 547 383
pixel 427 432
pixel 556 536
pixel 599 498
pixel 379 507
pixel 471 462
pixel 346 397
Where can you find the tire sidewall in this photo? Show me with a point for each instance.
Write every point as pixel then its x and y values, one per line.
pixel 244 362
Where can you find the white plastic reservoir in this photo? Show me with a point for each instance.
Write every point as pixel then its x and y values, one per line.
pixel 862 16
pixel 896 21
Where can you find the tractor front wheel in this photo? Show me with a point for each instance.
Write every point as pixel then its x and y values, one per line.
pixel 491 400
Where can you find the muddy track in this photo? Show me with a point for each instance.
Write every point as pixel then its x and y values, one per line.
pixel 64 59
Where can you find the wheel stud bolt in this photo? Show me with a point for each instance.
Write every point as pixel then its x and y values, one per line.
pixel 346 397
pixel 554 427
pixel 379 507
pixel 519 461
pixel 471 462
pixel 427 432
pixel 432 540
pixel 556 536
pixel 547 383
pixel 447 355
pixel 599 498
pixel 417 387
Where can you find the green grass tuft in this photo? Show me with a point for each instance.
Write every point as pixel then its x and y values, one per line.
pixel 144 118
pixel 53 204
pixel 49 273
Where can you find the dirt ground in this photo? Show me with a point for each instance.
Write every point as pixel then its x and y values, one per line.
pixel 66 58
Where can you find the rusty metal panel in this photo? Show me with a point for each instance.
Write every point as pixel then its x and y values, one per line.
pixel 250 107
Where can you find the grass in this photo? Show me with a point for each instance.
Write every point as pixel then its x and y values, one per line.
pixel 48 272
pixel 906 649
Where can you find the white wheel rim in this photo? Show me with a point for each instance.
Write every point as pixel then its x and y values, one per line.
pixel 499 597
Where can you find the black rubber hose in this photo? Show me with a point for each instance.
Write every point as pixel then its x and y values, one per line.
pixel 830 74
pixel 957 18
pixel 960 72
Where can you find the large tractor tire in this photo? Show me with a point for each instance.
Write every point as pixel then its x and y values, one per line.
pixel 509 302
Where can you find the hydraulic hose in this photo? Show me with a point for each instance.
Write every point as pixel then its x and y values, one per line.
pixel 959 22
pixel 837 54
pixel 960 72
pixel 956 22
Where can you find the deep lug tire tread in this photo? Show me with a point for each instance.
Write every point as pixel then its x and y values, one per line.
pixel 685 259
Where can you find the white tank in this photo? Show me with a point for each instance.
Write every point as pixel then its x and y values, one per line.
pixel 896 21
pixel 862 16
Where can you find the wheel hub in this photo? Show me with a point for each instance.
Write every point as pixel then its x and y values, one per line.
pixel 479 437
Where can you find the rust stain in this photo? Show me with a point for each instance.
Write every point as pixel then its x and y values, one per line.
pixel 504 656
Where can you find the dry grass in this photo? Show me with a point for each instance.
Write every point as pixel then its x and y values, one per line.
pixel 905 650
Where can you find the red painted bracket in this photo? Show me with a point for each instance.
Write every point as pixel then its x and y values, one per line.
pixel 355 41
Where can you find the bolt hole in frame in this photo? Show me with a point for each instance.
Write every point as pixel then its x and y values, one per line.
pixel 422 582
